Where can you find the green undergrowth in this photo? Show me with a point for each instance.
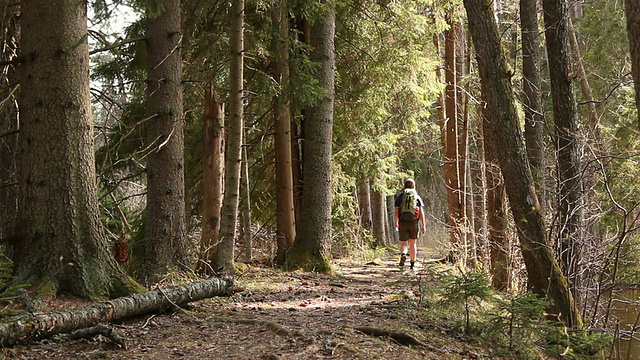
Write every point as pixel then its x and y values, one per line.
pixel 464 305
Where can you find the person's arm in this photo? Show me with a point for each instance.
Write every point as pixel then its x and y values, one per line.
pixel 423 227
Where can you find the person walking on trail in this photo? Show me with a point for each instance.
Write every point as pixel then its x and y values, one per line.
pixel 408 215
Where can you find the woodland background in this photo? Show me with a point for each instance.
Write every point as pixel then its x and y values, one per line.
pixel 191 135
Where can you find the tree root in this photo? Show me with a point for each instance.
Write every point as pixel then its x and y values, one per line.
pixel 273 326
pixel 401 338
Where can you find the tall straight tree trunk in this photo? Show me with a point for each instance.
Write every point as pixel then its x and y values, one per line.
pixel 565 115
pixel 392 235
pixel 165 228
pixel 303 30
pixel 377 211
pixel 499 244
pixel 544 274
pixel 532 93
pixel 454 140
pixel 286 228
pixel 313 238
pixel 212 178
pixel 229 220
pixel 583 80
pixel 245 205
pixel 632 12
pixel 9 38
pixel 364 202
pixel 60 243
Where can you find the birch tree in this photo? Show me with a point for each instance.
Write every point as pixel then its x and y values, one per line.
pixel 233 153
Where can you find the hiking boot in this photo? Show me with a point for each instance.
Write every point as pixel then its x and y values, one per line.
pixel 412 264
pixel 403 258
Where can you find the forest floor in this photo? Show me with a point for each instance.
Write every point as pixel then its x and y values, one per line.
pixel 366 310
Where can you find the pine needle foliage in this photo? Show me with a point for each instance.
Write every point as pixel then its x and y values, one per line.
pixel 518 317
pixel 466 289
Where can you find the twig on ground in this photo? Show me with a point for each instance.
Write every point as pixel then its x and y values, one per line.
pixel 100 329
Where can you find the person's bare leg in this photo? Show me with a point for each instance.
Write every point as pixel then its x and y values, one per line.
pixel 403 251
pixel 413 251
pixel 404 245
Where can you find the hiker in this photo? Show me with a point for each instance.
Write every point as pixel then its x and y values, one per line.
pixel 408 214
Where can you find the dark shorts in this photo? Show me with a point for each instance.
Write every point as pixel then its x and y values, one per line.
pixel 408 230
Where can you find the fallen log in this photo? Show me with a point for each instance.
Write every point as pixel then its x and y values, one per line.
pixel 38 326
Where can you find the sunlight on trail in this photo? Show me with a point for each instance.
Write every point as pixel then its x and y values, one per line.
pixel 376 282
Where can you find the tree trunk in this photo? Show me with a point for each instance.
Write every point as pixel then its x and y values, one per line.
pixel 229 220
pixel 532 90
pixel 364 203
pixel 311 248
pixel 286 228
pixel 9 38
pixel 632 11
pixel 245 192
pixel 545 276
pixel 500 248
pixel 212 178
pixel 454 140
pixel 583 80
pixel 60 241
pixel 297 125
pixel 392 235
pixel 64 321
pixel 378 210
pixel 565 116
pixel 165 227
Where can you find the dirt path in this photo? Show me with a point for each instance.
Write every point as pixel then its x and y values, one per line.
pixel 365 311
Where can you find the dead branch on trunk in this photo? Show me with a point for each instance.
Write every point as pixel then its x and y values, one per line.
pixel 44 325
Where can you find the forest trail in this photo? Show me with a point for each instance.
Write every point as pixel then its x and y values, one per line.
pixel 366 310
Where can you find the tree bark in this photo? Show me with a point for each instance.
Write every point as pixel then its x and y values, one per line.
pixel 302 28
pixel 9 38
pixel 565 116
pixel 60 241
pixel 583 80
pixel 58 322
pixel 632 12
pixel 364 202
pixel 229 221
pixel 532 94
pixel 454 139
pixel 392 235
pixel 313 238
pixel 165 227
pixel 544 274
pixel 500 248
pixel 378 210
pixel 245 204
pixel 212 179
pixel 286 231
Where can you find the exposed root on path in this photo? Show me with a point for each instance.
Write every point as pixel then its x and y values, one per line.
pixel 400 337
